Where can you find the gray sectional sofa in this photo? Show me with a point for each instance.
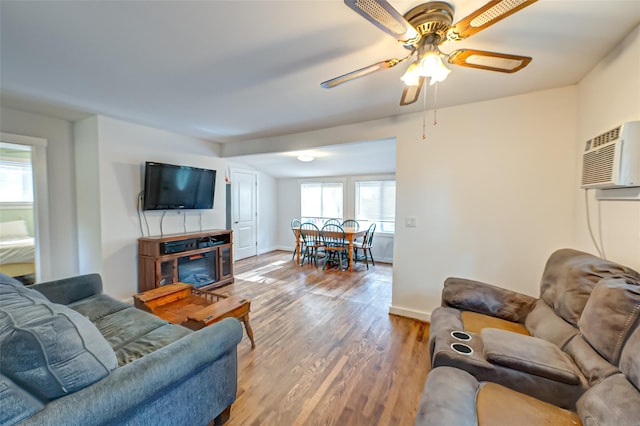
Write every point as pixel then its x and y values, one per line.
pixel 574 351
pixel 71 355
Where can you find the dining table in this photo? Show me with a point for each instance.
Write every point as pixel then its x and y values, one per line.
pixel 350 235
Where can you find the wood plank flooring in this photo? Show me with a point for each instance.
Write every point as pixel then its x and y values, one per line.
pixel 327 351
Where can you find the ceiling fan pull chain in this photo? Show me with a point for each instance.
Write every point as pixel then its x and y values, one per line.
pixel 435 105
pixel 424 111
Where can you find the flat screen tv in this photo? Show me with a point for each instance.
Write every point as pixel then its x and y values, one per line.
pixel 169 187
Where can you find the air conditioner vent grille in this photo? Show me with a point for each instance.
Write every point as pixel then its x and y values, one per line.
pixel 607 137
pixel 598 165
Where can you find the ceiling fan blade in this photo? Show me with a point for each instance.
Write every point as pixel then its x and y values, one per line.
pixel 381 14
pixel 410 94
pixel 491 61
pixel 360 73
pixel 484 17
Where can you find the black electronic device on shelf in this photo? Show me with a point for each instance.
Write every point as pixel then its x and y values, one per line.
pixel 179 246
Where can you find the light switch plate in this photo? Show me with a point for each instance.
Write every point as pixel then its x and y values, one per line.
pixel 410 222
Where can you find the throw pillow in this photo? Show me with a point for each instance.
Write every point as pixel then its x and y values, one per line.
pixel 46 348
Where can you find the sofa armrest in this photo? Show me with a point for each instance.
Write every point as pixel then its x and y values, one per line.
pixel 476 296
pixel 69 290
pixel 143 384
pixel 529 355
pixel 448 398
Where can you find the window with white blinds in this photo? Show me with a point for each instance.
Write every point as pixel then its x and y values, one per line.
pixel 320 201
pixel 376 203
pixel 16 181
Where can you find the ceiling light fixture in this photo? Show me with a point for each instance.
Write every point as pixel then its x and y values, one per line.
pixel 428 64
pixel 305 158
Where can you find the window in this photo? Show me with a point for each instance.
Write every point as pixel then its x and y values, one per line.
pixel 16 175
pixel 376 203
pixel 320 201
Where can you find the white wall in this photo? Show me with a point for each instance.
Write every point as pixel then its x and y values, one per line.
pixel 267 213
pixel 288 208
pixel 88 212
pixel 491 190
pixel 61 184
pixel 122 150
pixel 608 96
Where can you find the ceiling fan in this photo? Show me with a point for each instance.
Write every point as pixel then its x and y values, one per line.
pixel 423 29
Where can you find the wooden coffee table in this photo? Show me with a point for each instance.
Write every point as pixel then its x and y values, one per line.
pixel 193 308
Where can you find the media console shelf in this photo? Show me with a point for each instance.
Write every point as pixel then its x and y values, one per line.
pixel 204 259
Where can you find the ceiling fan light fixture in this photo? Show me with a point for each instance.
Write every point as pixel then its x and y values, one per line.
pixel 411 77
pixel 305 158
pixel 429 65
pixel 423 29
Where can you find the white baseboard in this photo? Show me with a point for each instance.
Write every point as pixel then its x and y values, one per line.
pixel 270 249
pixel 410 313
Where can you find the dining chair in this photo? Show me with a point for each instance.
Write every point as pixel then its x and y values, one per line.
pixel 332 222
pixel 351 223
pixel 295 223
pixel 335 249
pixel 312 243
pixel 365 245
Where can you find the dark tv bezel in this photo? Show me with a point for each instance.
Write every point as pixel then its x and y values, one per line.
pixel 149 164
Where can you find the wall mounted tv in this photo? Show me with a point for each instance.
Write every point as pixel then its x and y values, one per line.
pixel 169 187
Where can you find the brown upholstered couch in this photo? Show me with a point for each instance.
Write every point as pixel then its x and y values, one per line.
pixel 576 347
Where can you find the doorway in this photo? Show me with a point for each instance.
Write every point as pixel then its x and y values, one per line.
pixel 23 208
pixel 244 213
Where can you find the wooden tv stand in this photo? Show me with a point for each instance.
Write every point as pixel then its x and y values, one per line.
pixel 159 258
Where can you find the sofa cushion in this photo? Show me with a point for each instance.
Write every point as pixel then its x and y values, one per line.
pixel 127 325
pixel 498 405
pixel 475 323
pixel 98 306
pixel 613 402
pixel 544 323
pixel 529 354
pixel 150 342
pixel 133 333
pixel 570 275
pixel 592 365
pixel 46 348
pixel 610 315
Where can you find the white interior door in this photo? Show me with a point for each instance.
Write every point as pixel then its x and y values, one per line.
pixel 243 213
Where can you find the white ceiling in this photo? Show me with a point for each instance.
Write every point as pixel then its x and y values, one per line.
pixel 373 157
pixel 230 71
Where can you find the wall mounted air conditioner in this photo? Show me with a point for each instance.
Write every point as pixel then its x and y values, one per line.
pixel 612 159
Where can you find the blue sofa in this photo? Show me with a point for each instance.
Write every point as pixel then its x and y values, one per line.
pixel 71 355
